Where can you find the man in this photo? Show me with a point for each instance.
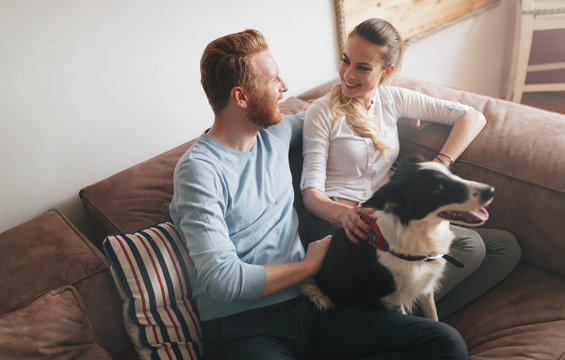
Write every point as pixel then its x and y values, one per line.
pixel 233 206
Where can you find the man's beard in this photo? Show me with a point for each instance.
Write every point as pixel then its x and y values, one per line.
pixel 263 114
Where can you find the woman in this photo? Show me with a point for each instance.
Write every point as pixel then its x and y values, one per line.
pixel 351 142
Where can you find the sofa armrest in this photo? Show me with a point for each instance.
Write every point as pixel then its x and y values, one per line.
pixel 520 152
pixel 49 252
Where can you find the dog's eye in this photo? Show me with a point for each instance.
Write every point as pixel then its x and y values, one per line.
pixel 439 188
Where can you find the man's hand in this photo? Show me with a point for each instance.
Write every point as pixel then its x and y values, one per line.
pixel 315 254
pixel 281 276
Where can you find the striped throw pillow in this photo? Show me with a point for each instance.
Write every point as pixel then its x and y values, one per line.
pixel 149 267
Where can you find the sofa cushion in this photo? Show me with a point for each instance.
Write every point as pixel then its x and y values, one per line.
pixel 52 326
pixel 49 252
pixel 521 318
pixel 150 270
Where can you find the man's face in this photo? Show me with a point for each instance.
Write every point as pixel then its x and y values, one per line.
pixel 263 109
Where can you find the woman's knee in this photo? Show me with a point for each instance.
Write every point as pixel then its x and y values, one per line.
pixel 503 245
pixel 468 247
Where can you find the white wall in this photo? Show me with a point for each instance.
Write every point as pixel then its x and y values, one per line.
pixel 472 55
pixel 88 88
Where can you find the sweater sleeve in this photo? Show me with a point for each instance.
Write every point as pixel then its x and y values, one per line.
pixel 198 209
pixel 296 124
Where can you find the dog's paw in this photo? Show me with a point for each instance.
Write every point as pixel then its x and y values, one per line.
pixel 310 289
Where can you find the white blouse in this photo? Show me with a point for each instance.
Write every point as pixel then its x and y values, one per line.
pixel 342 164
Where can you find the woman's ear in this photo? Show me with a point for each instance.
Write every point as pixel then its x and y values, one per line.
pixel 390 70
pixel 386 73
pixel 239 96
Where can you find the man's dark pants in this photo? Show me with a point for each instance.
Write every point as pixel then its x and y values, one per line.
pixel 296 330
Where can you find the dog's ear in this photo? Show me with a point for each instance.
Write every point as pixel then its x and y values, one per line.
pixel 387 197
pixel 390 198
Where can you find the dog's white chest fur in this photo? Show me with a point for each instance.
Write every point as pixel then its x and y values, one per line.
pixel 416 281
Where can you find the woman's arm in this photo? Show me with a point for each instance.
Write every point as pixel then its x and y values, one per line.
pixel 464 131
pixel 466 122
pixel 348 216
pixel 323 207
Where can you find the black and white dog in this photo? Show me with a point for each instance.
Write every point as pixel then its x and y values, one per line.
pixel 405 258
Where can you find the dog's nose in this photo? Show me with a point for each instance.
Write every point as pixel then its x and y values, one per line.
pixel 487 193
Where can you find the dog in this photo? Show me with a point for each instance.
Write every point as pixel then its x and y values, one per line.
pixel 404 259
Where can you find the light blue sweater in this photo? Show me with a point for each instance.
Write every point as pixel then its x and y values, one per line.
pixel 234 210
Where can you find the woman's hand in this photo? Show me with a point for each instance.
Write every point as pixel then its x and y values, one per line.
pixel 355 228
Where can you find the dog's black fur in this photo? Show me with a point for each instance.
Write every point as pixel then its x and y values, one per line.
pixel 351 274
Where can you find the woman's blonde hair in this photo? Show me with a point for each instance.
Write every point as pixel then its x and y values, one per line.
pixel 378 32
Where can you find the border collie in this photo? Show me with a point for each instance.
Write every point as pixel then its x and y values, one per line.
pixel 404 259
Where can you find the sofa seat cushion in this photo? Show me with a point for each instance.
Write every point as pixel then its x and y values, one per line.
pixel 521 318
pixel 150 270
pixel 49 252
pixel 52 326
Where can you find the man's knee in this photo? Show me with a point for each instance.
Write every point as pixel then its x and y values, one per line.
pixel 256 348
pixel 450 344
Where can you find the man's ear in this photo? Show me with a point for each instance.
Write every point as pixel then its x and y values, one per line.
pixel 239 96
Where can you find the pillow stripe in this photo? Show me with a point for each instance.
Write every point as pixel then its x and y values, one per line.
pixel 182 257
pixel 175 257
pixel 125 291
pixel 151 270
pixel 144 292
pixel 154 293
pixel 147 295
pixel 165 278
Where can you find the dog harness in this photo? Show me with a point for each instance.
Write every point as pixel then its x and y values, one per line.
pixel 377 240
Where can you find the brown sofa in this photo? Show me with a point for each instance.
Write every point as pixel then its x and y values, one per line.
pixel 519 153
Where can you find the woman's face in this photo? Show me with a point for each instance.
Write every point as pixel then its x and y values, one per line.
pixel 361 68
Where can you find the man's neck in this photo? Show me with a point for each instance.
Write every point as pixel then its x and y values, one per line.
pixel 234 131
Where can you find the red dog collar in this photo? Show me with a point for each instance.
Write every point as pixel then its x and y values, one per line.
pixel 377 240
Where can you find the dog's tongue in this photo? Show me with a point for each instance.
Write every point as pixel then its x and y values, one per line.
pixel 479 214
pixel 471 217
pixel 476 216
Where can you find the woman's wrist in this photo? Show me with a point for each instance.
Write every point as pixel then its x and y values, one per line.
pixel 445 159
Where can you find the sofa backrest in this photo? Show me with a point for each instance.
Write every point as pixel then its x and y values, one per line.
pixel 519 153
